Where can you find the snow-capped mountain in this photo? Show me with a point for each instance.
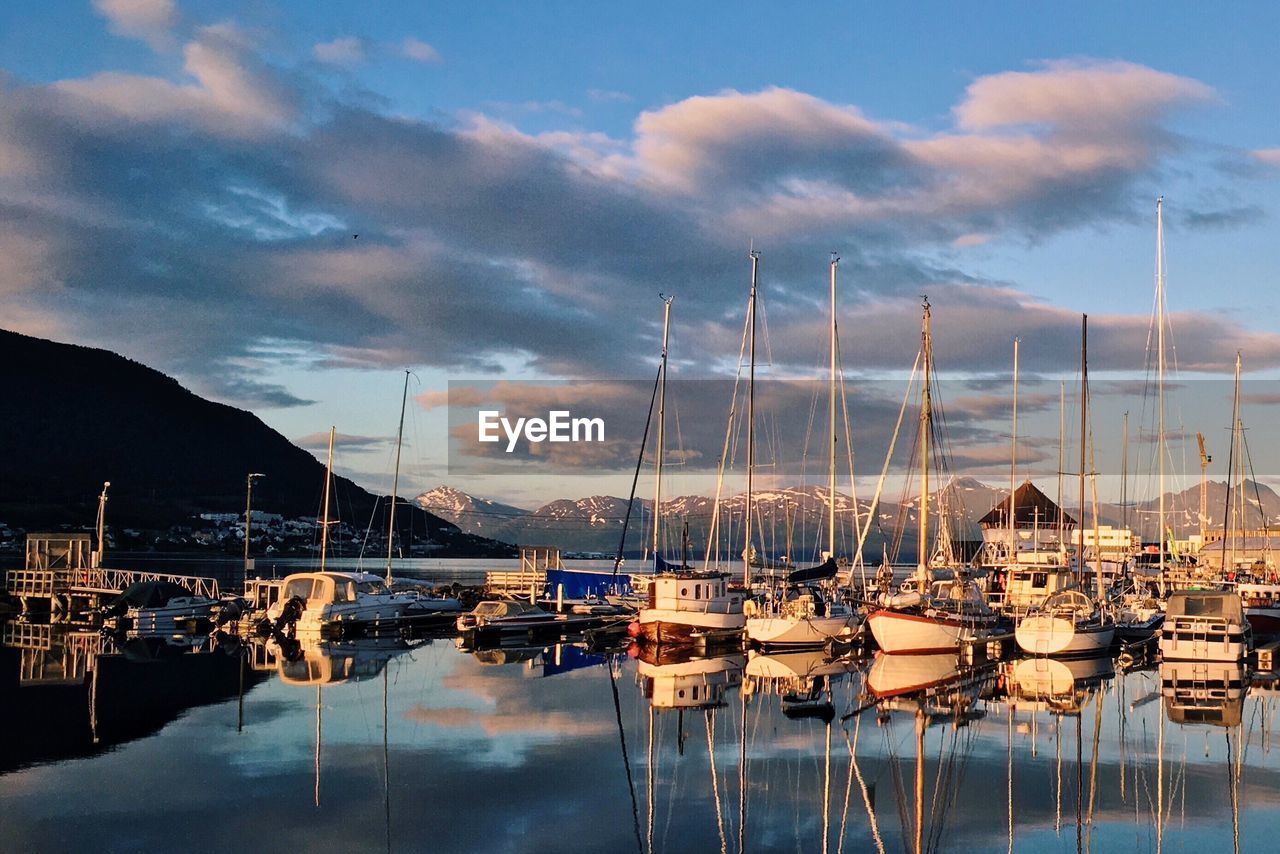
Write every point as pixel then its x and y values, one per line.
pixel 471 514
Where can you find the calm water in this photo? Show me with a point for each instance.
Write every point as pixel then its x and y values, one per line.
pixel 421 746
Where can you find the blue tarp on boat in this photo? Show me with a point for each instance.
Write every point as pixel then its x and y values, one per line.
pixel 588 583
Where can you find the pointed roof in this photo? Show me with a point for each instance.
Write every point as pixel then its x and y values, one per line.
pixel 1031 508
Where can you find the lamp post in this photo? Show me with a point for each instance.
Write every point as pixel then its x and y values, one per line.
pixel 248 519
pixel 102 522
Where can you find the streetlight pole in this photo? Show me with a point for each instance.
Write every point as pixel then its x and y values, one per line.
pixel 102 523
pixel 248 519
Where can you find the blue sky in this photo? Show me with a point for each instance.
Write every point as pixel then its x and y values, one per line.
pixel 180 182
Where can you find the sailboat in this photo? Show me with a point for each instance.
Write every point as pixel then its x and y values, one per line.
pixel 1070 622
pixel 804 612
pixel 1139 610
pixel 937 616
pixel 685 605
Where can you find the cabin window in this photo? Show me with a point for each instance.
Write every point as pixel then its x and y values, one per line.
pixel 344 591
pixel 300 587
pixel 1040 579
pixel 684 591
pixel 697 591
pixel 695 692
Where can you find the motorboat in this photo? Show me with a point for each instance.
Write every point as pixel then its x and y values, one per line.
pixel 1205 625
pixel 504 614
pixel 151 607
pixel 311 602
pixel 686 605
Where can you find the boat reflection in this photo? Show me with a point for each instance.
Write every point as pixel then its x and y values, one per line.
pixel 802 679
pixel 673 678
pixel 1058 686
pixel 1204 692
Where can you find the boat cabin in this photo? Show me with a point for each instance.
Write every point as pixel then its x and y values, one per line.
pixel 1027 587
pixel 1205 625
pixel 707 592
pixel 325 588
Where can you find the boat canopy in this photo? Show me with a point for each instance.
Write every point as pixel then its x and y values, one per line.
pixel 1209 603
pixel 1069 600
pixel 506 608
pixel 824 570
pixel 149 594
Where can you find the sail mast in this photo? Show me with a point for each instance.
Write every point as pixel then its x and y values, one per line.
pixel 922 557
pixel 328 481
pixel 1013 460
pixel 1160 371
pixel 662 428
pixel 831 405
pixel 751 416
pixel 395 480
pixel 1084 421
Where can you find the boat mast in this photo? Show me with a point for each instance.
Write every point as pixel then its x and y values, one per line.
pixel 1160 371
pixel 1062 444
pixel 922 557
pixel 1124 473
pixel 1013 460
pixel 751 415
pixel 662 427
pixel 328 481
pixel 831 405
pixel 395 481
pixel 1084 422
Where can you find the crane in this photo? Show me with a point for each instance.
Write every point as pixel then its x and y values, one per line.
pixel 1205 459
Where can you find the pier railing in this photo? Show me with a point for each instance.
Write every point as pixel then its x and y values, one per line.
pixel 48 582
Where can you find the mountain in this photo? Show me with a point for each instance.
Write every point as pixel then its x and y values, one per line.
pixel 472 515
pixel 79 416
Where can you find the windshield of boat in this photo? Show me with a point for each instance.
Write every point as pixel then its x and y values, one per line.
pixel 300 587
pixel 1069 600
pixel 371 588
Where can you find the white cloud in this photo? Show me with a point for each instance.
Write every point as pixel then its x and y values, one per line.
pixel 420 51
pixel 1269 156
pixel 348 51
pixel 150 20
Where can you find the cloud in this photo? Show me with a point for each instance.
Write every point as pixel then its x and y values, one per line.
pixel 1075 96
pixel 234 91
pixel 347 51
pixel 150 20
pixel 192 221
pixel 320 441
pixel 609 96
pixel 1269 156
pixel 419 51
pixel 1224 218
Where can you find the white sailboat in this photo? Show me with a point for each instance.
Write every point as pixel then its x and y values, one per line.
pixel 808 613
pixel 684 606
pixel 937 616
pixel 1071 622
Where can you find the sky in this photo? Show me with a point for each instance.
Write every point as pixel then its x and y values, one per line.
pixel 286 205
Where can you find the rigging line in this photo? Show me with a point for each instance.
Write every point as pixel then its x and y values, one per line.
pixel 626 760
pixel 730 442
pixel 715 780
pixel 635 480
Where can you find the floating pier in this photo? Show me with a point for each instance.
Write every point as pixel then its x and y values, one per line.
pixel 61 575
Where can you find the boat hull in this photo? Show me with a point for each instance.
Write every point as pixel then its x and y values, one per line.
pixel 1264 621
pixel 810 631
pixel 669 626
pixel 1042 635
pixel 899 633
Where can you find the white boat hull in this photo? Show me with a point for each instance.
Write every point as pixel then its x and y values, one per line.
pixel 899 633
pixel 1043 635
pixel 808 631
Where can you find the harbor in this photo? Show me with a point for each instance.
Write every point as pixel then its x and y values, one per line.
pixel 362 740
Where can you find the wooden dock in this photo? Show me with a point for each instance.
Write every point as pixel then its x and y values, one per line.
pixel 60 576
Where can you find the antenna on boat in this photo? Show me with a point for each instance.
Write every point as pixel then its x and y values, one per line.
pixel 328 481
pixel 395 481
